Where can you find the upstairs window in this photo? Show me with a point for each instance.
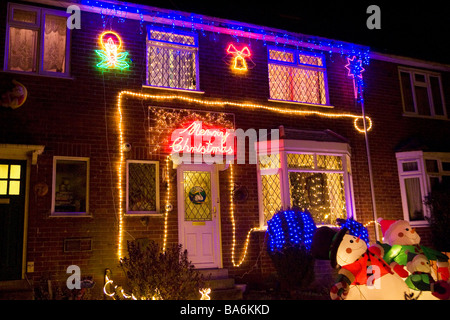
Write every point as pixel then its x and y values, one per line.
pixel 422 93
pixel 172 59
pixel 37 41
pixel 297 76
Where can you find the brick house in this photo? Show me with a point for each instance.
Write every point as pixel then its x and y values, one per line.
pixel 84 161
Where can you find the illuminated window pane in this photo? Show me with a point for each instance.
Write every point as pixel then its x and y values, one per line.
pixel 15 172
pixel 329 162
pixel 171 37
pixel 285 56
pixel 197 196
pixel 322 194
pixel 300 161
pixel 171 60
pixel 3 187
pixel 24 16
pixel 269 161
pixel 14 188
pixel 22 49
pixel 310 60
pixel 3 171
pixel 301 81
pixel 55 43
pixel 271 192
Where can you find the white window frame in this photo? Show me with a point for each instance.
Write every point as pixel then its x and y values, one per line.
pixel 425 178
pixel 427 84
pixel 39 27
pixel 176 46
pixel 296 64
pixel 55 213
pixel 305 147
pixel 439 157
pixel 157 212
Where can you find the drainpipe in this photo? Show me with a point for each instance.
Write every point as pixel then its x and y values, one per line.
pixel 369 163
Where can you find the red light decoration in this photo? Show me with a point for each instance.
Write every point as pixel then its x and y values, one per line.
pixel 197 139
pixel 239 57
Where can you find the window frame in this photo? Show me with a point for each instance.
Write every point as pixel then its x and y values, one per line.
pixel 55 213
pixel 422 173
pixel 297 64
pixel 305 147
pixel 426 84
pixel 41 14
pixel 172 45
pixel 157 212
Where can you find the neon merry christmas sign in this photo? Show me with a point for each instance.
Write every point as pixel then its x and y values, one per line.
pixel 195 139
pixel 112 56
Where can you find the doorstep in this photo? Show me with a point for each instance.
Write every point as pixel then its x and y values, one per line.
pixel 222 286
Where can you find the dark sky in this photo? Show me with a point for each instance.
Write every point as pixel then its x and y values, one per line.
pixel 419 29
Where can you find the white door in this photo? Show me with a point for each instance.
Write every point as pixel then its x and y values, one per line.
pixel 198 214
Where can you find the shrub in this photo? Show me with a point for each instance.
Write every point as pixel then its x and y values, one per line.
pixel 289 236
pixel 295 267
pixel 154 274
pixel 438 201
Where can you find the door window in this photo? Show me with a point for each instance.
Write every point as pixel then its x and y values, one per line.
pixel 10 179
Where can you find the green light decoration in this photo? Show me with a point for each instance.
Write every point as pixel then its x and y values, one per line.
pixel 112 56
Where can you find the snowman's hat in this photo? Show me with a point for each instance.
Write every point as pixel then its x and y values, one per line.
pixel 326 242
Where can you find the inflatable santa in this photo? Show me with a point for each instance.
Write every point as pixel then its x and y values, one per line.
pixel 363 274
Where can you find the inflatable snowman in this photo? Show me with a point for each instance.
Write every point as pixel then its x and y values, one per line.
pixel 402 248
pixel 363 274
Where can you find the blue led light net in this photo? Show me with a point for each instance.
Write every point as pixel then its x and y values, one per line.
pixel 290 228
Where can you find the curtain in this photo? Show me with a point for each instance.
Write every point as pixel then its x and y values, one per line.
pixel 54 44
pixel 414 199
pixel 22 49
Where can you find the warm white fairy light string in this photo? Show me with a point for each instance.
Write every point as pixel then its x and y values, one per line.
pixel 206 103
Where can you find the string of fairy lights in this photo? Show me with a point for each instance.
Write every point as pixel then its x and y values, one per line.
pixel 205 103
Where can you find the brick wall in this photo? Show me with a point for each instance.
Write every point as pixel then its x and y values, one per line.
pixel 78 117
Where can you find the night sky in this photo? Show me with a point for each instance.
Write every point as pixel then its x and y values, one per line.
pixel 418 29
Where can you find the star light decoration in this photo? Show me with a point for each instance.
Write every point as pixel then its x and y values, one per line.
pixel 112 56
pixel 355 70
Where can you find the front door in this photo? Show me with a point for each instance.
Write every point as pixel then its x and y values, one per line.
pixel 12 212
pixel 198 214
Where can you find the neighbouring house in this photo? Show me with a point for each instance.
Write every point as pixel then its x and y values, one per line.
pixel 93 118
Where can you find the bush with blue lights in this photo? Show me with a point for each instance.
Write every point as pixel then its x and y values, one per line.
pixel 290 228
